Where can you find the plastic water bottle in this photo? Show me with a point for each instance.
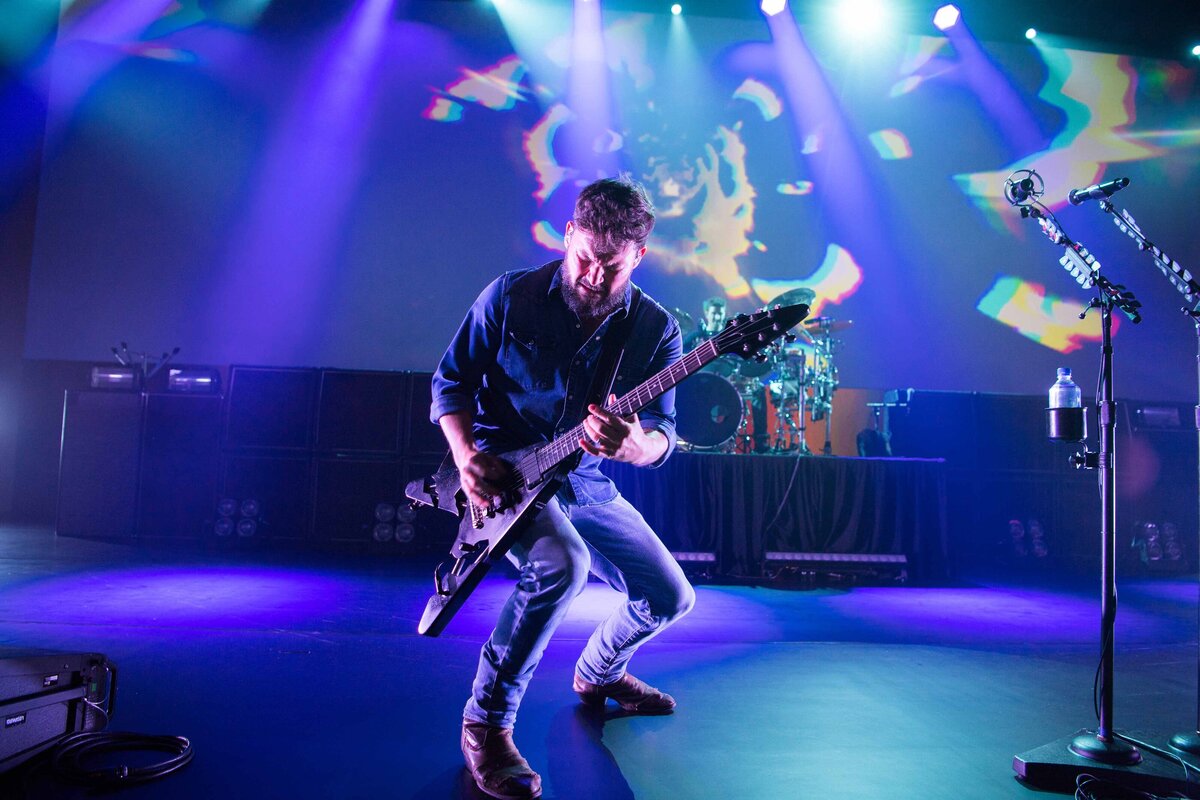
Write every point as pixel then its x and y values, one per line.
pixel 1065 393
pixel 1065 419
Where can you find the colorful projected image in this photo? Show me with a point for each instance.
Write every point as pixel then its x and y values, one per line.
pixel 1048 320
pixel 399 155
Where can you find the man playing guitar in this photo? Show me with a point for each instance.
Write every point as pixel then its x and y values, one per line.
pixel 520 371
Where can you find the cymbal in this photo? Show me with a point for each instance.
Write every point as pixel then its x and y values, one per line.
pixel 827 324
pixel 686 323
pixel 794 296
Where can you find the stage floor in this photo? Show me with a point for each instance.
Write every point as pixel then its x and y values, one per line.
pixel 302 677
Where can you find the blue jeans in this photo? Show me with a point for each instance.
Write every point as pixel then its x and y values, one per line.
pixel 564 543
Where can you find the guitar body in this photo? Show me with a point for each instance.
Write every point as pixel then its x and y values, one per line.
pixel 483 538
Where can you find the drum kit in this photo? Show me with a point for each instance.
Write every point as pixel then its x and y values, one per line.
pixel 746 406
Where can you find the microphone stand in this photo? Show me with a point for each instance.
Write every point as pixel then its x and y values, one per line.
pixel 1189 287
pixel 1102 750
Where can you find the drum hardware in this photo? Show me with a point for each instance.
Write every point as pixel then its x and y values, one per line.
pixel 792 296
pixel 825 374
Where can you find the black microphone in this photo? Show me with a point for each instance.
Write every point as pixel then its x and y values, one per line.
pixel 1097 191
pixel 1019 191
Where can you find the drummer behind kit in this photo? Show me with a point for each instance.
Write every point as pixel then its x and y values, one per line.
pixel 740 406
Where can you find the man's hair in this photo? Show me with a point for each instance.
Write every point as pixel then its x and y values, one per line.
pixel 615 212
pixel 714 302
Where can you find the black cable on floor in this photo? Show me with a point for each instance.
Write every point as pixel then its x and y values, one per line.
pixel 1089 787
pixel 69 755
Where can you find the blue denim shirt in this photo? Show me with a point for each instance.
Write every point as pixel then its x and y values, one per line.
pixel 520 365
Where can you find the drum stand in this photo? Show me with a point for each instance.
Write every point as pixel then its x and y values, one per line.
pixel 798 428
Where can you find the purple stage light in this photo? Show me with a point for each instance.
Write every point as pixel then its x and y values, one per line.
pixel 1005 106
pixel 946 17
pixel 183 597
pixel 301 196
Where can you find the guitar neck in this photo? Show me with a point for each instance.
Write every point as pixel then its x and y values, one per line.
pixel 563 447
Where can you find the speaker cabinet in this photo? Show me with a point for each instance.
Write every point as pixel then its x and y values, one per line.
pixel 357 500
pixel 268 497
pixel 1012 434
pixel 937 425
pixel 98 465
pixel 360 412
pixel 1156 487
pixel 270 408
pixel 179 465
pixel 422 437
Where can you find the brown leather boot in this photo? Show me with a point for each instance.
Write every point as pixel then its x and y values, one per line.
pixel 630 693
pixel 498 769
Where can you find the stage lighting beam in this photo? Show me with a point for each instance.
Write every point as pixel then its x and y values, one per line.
pixel 1031 33
pixel 677 9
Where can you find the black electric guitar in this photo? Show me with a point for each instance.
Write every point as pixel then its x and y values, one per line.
pixel 486 533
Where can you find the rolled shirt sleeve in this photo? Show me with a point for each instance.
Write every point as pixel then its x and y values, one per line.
pixel 659 415
pixel 473 349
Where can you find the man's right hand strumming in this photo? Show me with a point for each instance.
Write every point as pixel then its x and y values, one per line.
pixel 480 474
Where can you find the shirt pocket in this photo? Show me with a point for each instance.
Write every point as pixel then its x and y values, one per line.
pixel 531 359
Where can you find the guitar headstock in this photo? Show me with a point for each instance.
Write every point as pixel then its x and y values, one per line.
pixel 747 335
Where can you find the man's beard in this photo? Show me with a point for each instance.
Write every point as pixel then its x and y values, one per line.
pixel 589 305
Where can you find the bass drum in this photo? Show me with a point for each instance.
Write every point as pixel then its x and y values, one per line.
pixel 708 411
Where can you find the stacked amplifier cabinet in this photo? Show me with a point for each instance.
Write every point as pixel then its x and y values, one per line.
pixel 289 455
pixel 45 695
pixel 323 456
pixel 1015 503
pixel 372 436
pixel 137 465
pixel 98 465
pixel 266 455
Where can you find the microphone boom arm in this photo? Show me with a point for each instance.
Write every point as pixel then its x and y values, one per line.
pixel 1182 279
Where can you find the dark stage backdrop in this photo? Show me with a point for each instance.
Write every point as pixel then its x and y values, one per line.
pixel 331 184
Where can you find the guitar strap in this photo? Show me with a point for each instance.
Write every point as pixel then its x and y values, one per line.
pixel 609 362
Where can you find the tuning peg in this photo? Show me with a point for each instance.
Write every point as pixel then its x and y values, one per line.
pixel 741 318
